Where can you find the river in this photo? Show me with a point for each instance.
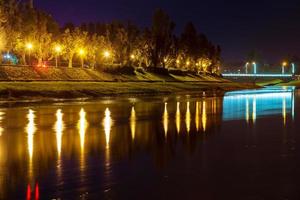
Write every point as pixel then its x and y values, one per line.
pixel 244 145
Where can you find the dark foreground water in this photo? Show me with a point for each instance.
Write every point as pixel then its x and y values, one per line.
pixel 245 145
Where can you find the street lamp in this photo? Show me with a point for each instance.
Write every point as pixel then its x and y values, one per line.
pixel 106 54
pixel 284 64
pixel 254 67
pixel 57 51
pixel 81 53
pixel 29 47
pixel 293 68
pixel 246 67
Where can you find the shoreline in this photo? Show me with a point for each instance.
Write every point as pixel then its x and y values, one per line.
pixel 12 91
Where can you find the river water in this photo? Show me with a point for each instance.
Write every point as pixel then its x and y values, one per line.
pixel 244 145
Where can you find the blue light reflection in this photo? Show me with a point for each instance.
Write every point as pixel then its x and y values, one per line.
pixel 253 104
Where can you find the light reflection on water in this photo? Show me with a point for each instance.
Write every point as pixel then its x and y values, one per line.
pixel 30 129
pixel 91 141
pixel 236 105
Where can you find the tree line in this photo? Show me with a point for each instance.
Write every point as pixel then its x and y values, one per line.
pixel 34 36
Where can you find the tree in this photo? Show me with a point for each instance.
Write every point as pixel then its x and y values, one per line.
pixel 73 41
pixel 190 44
pixel 161 37
pixel 3 19
pixel 95 46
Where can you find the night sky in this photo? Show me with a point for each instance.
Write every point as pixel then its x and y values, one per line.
pixel 269 26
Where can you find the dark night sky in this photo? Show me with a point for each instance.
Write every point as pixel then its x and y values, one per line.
pixel 270 26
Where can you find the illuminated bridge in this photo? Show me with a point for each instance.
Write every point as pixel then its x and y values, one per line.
pixel 234 75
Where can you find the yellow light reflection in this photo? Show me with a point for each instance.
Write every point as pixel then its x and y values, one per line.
pixel 188 117
pixel 82 126
pixel 132 122
pixel 254 110
pixel 30 129
pixel 1 118
pixel 166 119
pixel 215 106
pixel 197 116
pixel 204 116
pixel 59 127
pixel 247 110
pixel 107 123
pixel 178 115
pixel 284 111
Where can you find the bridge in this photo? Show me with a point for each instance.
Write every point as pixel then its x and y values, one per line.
pixel 236 75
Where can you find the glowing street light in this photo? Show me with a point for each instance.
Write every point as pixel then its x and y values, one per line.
pixel 284 64
pixel 293 68
pixel 106 54
pixel 254 67
pixel 57 50
pixel 29 47
pixel 246 67
pixel 132 56
pixel 81 53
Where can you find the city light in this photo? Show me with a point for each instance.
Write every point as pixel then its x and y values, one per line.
pixel 246 67
pixel 132 122
pixel 81 52
pixel 257 75
pixel 58 49
pixel 254 67
pixel 284 64
pixel 107 123
pixel 29 46
pixel 82 126
pixel 132 56
pixel 166 119
pixel 59 127
pixel 106 54
pixel 293 68
pixel 188 117
pixel 178 116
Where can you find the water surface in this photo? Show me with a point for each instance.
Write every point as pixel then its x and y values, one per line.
pixel 244 145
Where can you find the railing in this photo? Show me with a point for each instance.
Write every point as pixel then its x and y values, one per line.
pixel 256 75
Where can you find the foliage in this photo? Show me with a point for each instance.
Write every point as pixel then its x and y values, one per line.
pixel 102 44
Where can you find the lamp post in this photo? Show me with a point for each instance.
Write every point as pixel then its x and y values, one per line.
pixel 246 67
pixel 57 52
pixel 293 68
pixel 254 67
pixel 106 55
pixel 29 47
pixel 284 64
pixel 81 54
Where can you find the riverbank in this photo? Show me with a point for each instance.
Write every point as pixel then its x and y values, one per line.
pixel 36 83
pixel 11 91
pixel 295 83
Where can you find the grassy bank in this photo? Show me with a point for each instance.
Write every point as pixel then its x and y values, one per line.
pixel 24 82
pixel 295 83
pixel 41 90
